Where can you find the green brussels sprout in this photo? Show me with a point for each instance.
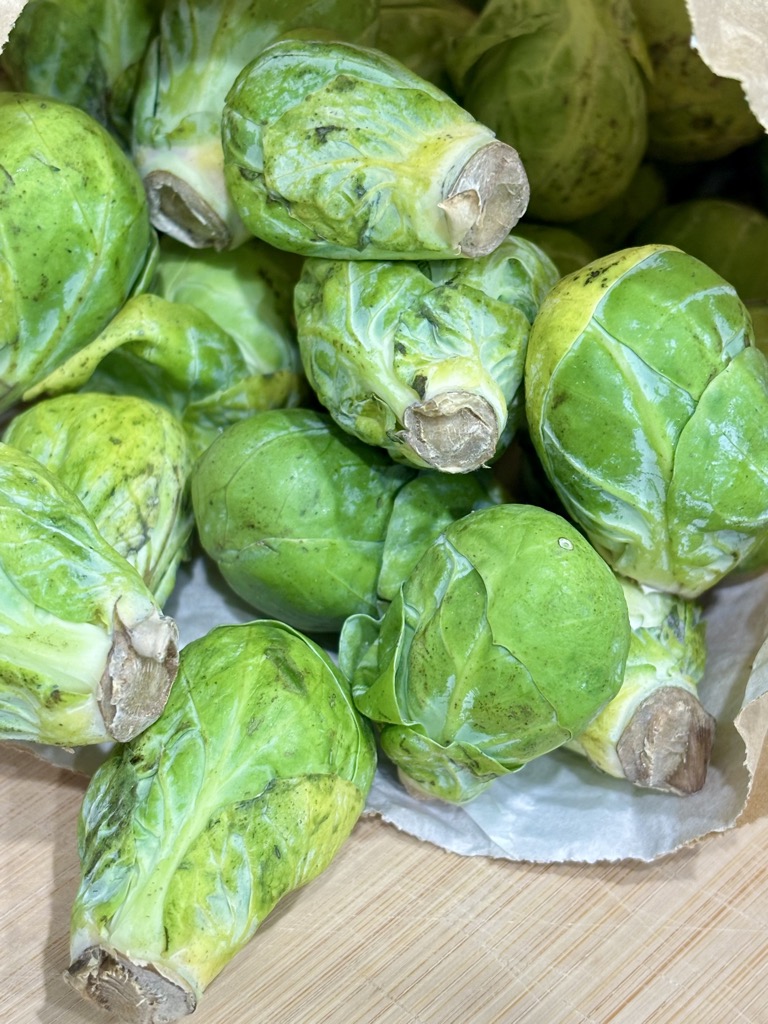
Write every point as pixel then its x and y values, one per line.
pixel 128 460
pixel 730 237
pixel 421 34
pixel 244 790
pixel 176 355
pixel 612 226
pixel 567 250
pixel 423 358
pixel 248 291
pixel 508 637
pixel 647 402
pixel 77 241
pixel 562 82
pixel 83 52
pixel 86 656
pixel 655 732
pixel 693 114
pixel 190 65
pixel 340 151
pixel 294 513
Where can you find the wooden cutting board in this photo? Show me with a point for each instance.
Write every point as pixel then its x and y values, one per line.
pixel 400 932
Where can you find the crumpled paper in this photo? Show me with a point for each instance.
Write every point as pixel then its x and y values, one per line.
pixel 9 12
pixel 731 37
pixel 558 808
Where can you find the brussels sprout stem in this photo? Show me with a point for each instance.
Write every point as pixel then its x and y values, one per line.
pixel 187 195
pixel 488 197
pixel 142 666
pixel 453 431
pixel 133 993
pixel 668 741
pixel 177 210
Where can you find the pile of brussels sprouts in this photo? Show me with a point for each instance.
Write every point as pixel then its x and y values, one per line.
pixel 439 328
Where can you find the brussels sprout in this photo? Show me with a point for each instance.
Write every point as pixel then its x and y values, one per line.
pixel 508 637
pixel 294 512
pixel 425 358
pixel 693 114
pixel 730 237
pixel 421 34
pixel 77 241
pixel 190 65
pixel 128 460
pixel 647 402
pixel 176 355
pixel 83 52
pixel 244 790
pixel 655 732
pixel 248 291
pixel 562 82
pixel 340 151
pixel 85 654
pixel 567 250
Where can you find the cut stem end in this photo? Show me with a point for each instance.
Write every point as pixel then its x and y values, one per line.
pixel 668 742
pixel 176 209
pixel 132 993
pixel 455 431
pixel 142 666
pixel 488 198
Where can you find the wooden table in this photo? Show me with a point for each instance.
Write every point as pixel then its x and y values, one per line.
pixel 400 932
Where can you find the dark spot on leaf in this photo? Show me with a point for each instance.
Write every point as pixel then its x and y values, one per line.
pixel 323 131
pixel 419 384
pixel 342 83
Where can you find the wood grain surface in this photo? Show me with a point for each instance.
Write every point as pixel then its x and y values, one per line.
pixel 400 932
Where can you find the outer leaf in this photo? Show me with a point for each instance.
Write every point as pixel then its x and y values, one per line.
pixel 422 35
pixel 422 509
pixel 176 355
pixel 248 292
pixel 730 237
pixel 128 460
pixel 83 52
